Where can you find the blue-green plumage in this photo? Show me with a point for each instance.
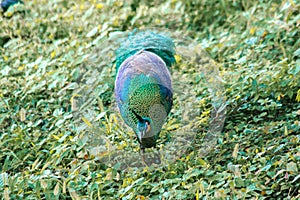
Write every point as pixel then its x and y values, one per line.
pixel 160 45
pixel 7 3
pixel 143 86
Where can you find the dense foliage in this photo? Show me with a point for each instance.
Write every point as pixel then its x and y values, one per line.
pixel 60 131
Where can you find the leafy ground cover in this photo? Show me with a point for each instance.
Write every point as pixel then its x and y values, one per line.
pixel 60 131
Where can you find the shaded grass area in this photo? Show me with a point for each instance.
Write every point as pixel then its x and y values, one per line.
pixel 57 105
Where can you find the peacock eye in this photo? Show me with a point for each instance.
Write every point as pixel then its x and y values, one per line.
pixel 147 122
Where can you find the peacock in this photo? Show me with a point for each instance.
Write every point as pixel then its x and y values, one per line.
pixel 143 85
pixel 7 3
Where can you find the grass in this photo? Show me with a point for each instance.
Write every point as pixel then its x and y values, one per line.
pixel 233 132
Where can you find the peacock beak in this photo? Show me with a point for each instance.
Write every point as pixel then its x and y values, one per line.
pixel 142 129
pixel 139 135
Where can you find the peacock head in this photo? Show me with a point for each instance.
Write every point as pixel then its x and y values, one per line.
pixel 143 127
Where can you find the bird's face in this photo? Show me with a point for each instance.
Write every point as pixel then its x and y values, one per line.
pixel 143 128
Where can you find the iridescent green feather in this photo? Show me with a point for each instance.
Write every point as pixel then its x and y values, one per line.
pixel 160 45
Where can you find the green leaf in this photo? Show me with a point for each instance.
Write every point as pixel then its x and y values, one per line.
pixel 292 167
pixel 241 61
pixel 92 32
pixel 297 52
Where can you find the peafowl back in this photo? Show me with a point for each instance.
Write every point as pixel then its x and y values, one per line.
pixel 143 86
